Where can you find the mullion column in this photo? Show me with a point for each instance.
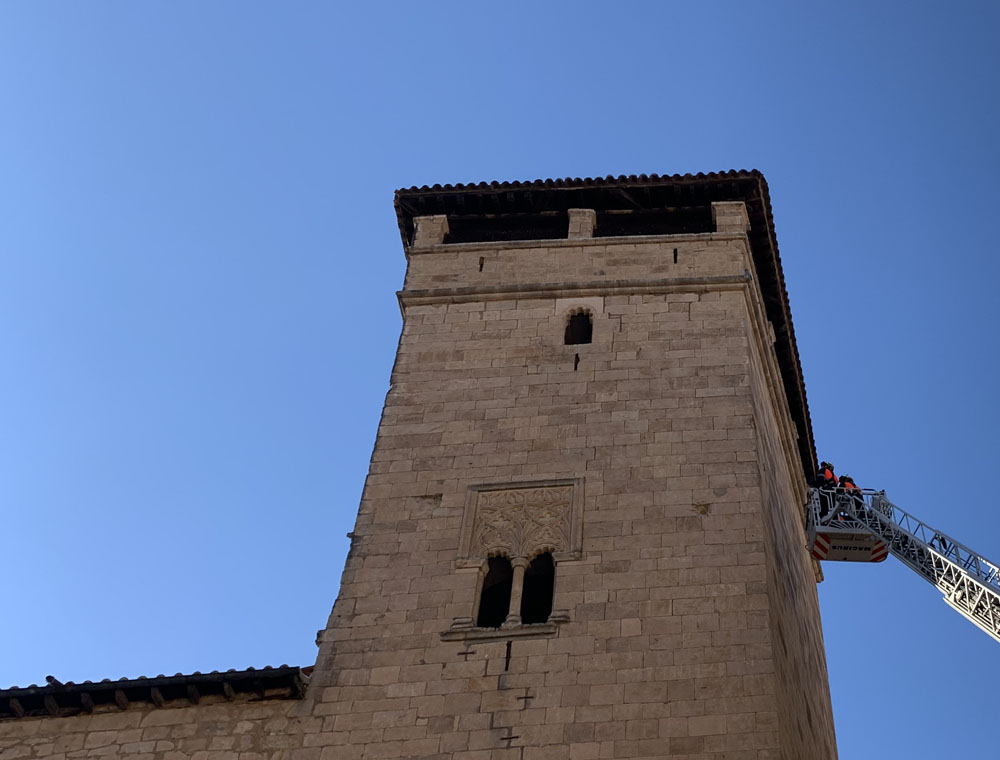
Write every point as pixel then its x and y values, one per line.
pixel 520 565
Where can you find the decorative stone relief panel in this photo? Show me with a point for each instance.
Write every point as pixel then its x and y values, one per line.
pixel 522 520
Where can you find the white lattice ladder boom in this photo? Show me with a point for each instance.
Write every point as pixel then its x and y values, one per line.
pixel 969 581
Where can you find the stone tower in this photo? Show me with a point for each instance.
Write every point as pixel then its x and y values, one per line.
pixel 581 534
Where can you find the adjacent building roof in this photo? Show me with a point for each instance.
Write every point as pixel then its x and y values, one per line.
pixel 64 699
pixel 628 205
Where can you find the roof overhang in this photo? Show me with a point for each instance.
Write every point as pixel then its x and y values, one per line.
pixel 65 699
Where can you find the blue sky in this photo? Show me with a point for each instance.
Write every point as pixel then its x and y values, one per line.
pixel 199 258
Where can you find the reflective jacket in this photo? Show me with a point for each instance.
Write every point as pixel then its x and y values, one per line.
pixel 826 479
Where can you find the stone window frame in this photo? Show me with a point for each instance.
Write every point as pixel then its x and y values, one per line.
pixel 602 325
pixel 477 558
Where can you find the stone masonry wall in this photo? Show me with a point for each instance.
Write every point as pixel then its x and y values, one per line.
pixel 797 636
pixel 581 261
pixel 220 731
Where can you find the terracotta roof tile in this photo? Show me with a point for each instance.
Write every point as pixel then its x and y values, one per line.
pixel 59 699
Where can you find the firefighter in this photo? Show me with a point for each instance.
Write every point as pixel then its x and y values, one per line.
pixel 826 481
pixel 849 487
pixel 825 477
pixel 847 483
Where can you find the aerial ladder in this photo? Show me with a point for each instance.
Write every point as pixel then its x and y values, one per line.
pixel 864 526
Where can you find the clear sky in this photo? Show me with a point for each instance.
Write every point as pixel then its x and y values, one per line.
pixel 199 258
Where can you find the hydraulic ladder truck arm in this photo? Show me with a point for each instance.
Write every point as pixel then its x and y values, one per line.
pixel 863 525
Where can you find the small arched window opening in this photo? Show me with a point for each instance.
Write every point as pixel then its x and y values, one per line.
pixel 579 328
pixel 539 582
pixel 494 600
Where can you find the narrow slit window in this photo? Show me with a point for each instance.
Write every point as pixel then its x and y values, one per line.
pixel 494 601
pixel 579 329
pixel 539 582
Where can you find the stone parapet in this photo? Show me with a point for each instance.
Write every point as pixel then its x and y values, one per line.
pixel 429 230
pixel 730 216
pixel 582 222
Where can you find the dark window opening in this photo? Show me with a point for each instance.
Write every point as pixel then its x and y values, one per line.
pixel 476 228
pixel 661 221
pixel 494 601
pixel 579 329
pixel 539 581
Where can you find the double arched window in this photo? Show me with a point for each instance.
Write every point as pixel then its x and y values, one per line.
pixel 518 592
